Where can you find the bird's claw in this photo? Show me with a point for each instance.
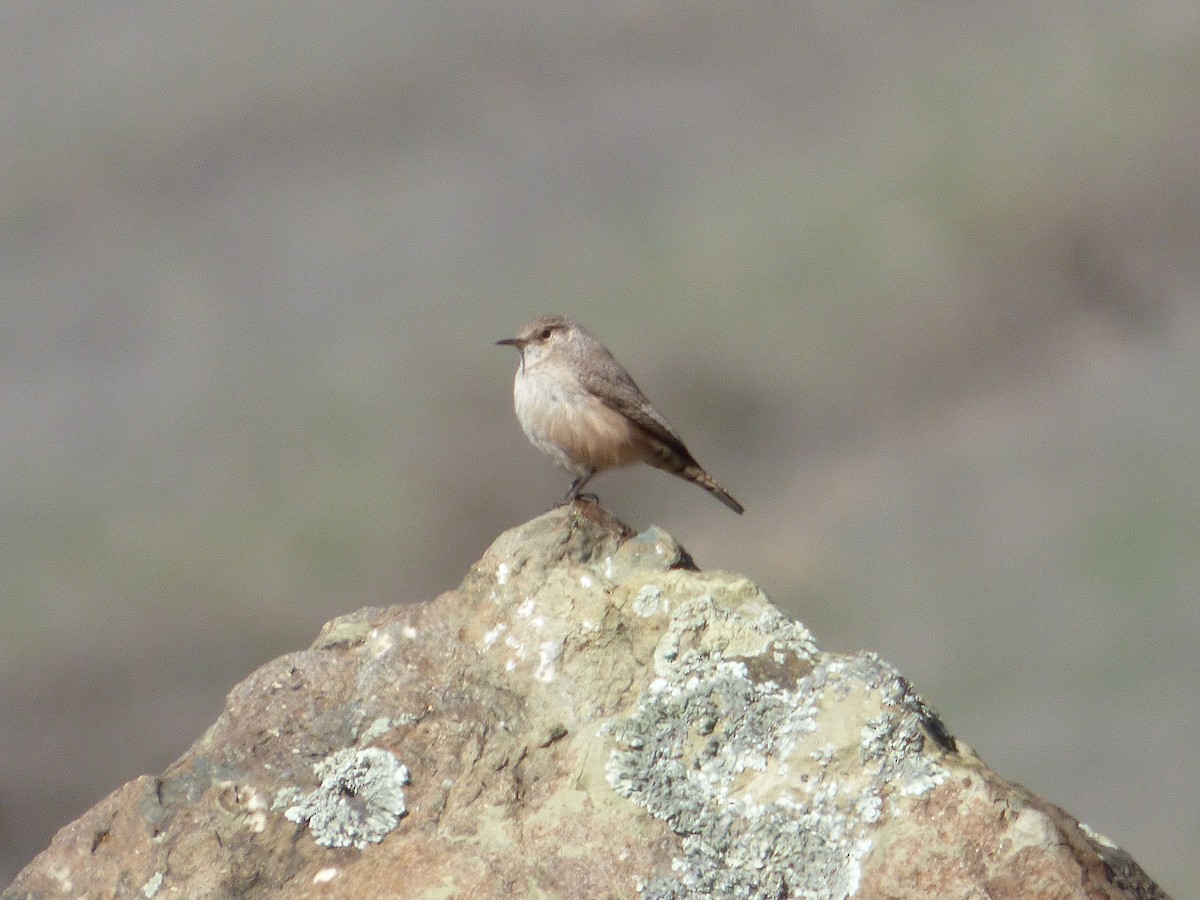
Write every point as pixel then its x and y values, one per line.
pixel 584 498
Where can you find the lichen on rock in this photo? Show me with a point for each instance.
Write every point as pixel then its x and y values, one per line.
pixel 359 800
pixel 717 746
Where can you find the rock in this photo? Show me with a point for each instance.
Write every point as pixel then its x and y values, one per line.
pixel 587 715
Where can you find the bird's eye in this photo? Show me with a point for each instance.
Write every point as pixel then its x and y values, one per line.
pixel 545 335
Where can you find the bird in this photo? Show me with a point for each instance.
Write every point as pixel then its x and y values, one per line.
pixel 580 407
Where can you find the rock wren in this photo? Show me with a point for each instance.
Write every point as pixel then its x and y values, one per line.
pixel 579 406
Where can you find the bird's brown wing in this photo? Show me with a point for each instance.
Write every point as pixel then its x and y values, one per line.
pixel 609 382
pixel 612 384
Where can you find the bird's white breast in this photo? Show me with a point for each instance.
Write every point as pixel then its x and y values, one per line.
pixel 570 425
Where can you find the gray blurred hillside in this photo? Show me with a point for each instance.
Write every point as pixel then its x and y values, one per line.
pixel 918 284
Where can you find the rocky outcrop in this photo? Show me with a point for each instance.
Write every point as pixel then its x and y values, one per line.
pixel 587 715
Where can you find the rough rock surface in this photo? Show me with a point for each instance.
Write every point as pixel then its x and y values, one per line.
pixel 587 715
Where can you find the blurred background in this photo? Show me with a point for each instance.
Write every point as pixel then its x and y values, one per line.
pixel 918 283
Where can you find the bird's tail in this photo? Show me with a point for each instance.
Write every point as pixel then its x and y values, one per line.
pixel 697 475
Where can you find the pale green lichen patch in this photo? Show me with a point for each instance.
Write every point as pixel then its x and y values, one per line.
pixel 359 800
pixel 729 748
pixel 150 888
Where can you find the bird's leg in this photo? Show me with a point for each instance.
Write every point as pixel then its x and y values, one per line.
pixel 576 486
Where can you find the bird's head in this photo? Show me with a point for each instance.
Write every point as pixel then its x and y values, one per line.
pixel 542 337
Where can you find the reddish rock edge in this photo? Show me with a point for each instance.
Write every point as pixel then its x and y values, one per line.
pixel 585 716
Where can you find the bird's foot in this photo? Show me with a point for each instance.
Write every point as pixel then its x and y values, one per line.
pixel 571 498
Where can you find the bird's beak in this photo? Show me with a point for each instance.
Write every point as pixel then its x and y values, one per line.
pixel 519 344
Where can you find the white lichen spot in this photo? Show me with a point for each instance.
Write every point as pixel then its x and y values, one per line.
pixel 824 755
pixel 502 572
pixel 380 642
pixel 586 580
pixel 732 667
pixel 256 807
pixel 62 876
pixel 409 632
pixel 254 800
pixel 150 888
pixel 858 850
pixel 378 728
pixel 510 666
pixel 922 784
pixel 648 601
pixel 493 634
pixel 525 610
pixel 874 734
pixel 359 800
pixel 868 808
pixel 549 654
pixel 608 568
pixel 1032 828
pixel 326 875
pixel 516 646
